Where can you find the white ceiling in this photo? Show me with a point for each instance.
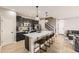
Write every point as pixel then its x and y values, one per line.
pixel 59 12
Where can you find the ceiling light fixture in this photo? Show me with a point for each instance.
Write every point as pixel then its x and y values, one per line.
pixel 37 17
pixel 46 20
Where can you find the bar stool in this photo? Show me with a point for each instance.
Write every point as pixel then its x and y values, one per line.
pixel 47 41
pixel 41 43
pixel 52 35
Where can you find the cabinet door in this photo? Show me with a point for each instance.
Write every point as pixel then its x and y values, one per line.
pixel 8 28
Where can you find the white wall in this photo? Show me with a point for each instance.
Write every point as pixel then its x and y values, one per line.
pixel 71 24
pixel 8 26
pixel 0 30
pixel 68 24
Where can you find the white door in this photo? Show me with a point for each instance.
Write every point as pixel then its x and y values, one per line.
pixel 7 30
pixel 61 26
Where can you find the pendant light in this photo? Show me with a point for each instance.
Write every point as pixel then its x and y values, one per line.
pixel 37 17
pixel 46 20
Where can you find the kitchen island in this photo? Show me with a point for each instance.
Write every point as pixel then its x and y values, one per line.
pixel 34 37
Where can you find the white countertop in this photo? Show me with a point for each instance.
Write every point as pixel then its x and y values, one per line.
pixel 36 35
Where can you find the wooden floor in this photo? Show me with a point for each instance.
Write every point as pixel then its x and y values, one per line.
pixel 59 46
pixel 0 48
pixel 17 47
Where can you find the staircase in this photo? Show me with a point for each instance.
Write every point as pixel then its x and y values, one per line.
pixel 49 27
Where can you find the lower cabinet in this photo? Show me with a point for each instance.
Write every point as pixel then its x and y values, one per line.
pixel 20 36
pixel 27 43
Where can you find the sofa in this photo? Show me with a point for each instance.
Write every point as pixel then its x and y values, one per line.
pixel 71 33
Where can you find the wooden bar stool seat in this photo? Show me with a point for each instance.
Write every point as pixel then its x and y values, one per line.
pixel 41 43
pixel 47 41
pixel 52 35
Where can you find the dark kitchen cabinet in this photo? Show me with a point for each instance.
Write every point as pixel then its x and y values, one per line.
pixel 20 36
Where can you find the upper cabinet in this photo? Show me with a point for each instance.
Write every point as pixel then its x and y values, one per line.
pixel 25 24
